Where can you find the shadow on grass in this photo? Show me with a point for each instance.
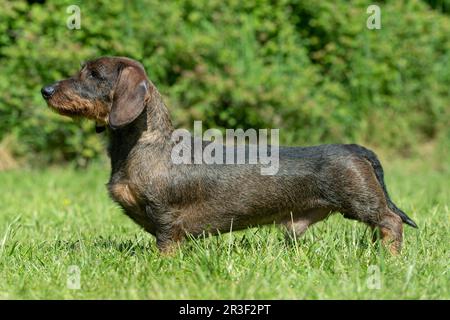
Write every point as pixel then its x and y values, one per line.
pixel 124 246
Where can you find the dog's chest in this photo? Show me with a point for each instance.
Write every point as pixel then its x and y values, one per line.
pixel 125 195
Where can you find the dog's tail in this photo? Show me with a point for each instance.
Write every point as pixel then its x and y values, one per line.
pixel 373 159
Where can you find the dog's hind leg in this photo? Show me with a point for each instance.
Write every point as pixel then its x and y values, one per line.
pixel 391 231
pixel 371 208
pixel 296 225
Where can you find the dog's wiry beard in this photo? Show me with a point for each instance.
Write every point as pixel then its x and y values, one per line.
pixel 68 103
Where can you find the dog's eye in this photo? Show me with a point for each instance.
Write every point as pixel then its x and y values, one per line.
pixel 94 74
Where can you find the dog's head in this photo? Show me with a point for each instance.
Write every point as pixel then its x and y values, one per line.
pixel 109 90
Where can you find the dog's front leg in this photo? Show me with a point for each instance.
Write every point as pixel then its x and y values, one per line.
pixel 167 244
pixel 168 237
pixel 168 249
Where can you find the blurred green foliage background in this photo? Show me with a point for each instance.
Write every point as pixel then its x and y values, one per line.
pixel 310 68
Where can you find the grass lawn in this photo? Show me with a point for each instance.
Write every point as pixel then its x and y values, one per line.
pixel 56 218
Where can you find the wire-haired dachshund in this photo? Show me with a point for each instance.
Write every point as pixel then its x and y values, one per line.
pixel 172 200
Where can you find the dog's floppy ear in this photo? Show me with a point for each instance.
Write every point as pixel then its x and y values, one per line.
pixel 129 96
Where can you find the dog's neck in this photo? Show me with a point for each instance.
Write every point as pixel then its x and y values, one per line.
pixel 152 129
pixel 158 124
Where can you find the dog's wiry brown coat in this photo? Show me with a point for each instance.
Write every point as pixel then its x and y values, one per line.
pixel 170 201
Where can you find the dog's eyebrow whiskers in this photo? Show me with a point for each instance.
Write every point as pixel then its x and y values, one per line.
pixel 82 65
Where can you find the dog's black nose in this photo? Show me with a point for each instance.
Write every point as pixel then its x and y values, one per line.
pixel 48 91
